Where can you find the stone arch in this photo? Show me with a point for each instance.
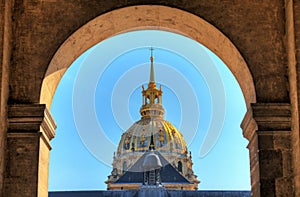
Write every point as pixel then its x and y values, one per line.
pixel 271 125
pixel 147 17
pixel 141 18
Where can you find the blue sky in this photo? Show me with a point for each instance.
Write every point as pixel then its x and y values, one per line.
pixel 99 97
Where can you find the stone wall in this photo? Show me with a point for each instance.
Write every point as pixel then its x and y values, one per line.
pixel 256 28
pixel 30 129
pixel 22 165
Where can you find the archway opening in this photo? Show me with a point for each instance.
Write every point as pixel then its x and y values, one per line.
pixel 154 17
pixel 227 160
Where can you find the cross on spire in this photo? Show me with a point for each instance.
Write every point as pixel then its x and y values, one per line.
pixel 152 96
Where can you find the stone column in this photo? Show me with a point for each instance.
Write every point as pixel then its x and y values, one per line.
pixel 267 126
pixel 30 129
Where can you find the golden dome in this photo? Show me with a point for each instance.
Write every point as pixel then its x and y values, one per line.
pixel 167 139
pixel 149 133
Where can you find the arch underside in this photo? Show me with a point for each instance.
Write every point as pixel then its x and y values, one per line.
pixel 146 17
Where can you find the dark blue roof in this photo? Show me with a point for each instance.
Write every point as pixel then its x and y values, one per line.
pixel 168 173
pixel 127 193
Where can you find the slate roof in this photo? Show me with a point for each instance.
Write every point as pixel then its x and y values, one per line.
pixel 168 173
pixel 172 193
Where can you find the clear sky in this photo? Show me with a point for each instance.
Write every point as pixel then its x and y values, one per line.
pixel 99 97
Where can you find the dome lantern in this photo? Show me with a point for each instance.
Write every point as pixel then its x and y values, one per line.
pixel 152 97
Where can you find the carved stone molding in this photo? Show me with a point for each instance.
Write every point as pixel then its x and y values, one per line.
pixel 31 118
pixel 249 125
pixel 272 116
pixel 267 126
pixel 266 117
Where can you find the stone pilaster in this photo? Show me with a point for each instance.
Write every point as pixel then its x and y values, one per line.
pixel 5 60
pixel 30 129
pixel 292 35
pixel 267 126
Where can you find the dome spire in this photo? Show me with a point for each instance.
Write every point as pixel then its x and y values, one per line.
pixel 152 97
pixel 152 67
pixel 152 83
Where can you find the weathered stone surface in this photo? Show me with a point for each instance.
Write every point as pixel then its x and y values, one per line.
pixel 272 116
pixel 30 129
pixel 5 54
pixel 154 17
pixel 268 128
pixel 22 165
pixel 295 84
pixel 3 118
pixel 293 52
pixel 267 187
pixel 256 28
pixel 270 164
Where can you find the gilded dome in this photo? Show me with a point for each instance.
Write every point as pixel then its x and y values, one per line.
pixel 167 139
pixel 152 132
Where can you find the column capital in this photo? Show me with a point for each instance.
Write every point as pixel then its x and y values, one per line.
pixel 266 117
pixel 31 118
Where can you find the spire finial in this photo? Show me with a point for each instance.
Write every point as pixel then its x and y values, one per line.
pixel 152 66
